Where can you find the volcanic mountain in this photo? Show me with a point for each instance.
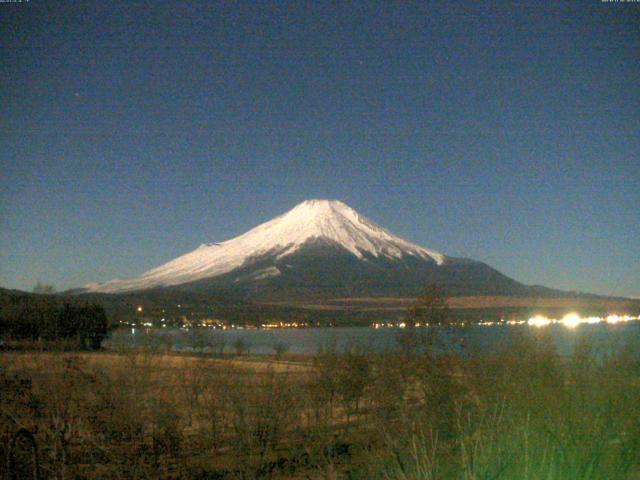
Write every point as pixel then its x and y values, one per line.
pixel 320 248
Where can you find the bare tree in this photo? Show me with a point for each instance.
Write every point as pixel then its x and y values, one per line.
pixel 430 308
pixel 44 289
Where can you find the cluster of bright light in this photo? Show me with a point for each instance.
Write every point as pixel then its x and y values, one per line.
pixel 619 318
pixel 539 321
pixel 285 325
pixel 388 325
pixel 572 320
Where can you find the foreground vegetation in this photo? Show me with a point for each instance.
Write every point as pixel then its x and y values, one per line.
pixel 518 413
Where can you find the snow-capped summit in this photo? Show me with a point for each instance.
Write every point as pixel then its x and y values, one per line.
pixel 334 221
pixel 326 222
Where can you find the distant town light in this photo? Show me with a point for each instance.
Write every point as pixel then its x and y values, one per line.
pixel 539 321
pixel 571 320
pixel 139 309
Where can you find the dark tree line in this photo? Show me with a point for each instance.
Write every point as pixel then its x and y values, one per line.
pixel 84 326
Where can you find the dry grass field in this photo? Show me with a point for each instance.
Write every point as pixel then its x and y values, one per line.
pixel 585 304
pixel 504 301
pixel 519 412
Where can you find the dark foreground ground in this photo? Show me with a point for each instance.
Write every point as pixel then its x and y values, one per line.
pixel 520 412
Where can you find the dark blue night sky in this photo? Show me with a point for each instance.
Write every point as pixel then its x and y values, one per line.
pixel 508 132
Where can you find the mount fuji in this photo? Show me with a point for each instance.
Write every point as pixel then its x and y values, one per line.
pixel 320 248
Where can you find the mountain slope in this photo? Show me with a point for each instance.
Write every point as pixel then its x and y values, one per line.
pixel 319 248
pixel 331 221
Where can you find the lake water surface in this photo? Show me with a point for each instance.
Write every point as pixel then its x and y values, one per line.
pixel 605 338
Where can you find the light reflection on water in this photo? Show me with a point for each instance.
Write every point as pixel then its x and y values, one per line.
pixel 606 338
